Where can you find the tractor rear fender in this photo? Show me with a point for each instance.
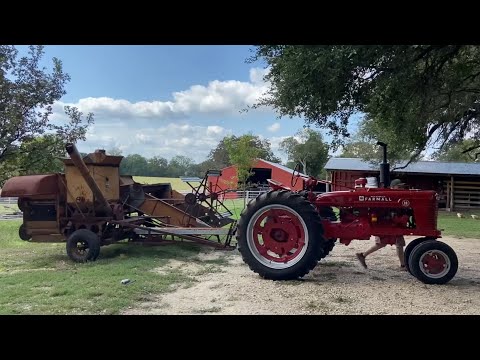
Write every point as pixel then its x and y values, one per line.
pixel 275 185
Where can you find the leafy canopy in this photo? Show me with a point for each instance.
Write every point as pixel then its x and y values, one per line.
pixel 417 95
pixel 30 141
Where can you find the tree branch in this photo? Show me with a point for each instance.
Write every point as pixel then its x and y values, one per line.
pixel 471 148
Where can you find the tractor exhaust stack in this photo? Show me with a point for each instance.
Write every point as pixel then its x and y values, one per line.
pixel 384 167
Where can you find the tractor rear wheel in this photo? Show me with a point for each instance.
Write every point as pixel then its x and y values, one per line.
pixel 83 245
pixel 409 249
pixel 280 235
pixel 329 245
pixel 433 262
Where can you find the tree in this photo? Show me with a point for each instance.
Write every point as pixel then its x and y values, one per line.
pixel 181 165
pixel 114 151
pixel 360 150
pixel 157 166
pixel 134 164
pixel 308 149
pixel 364 145
pixel 41 155
pixel 242 154
pixel 460 152
pixel 420 95
pixel 206 165
pixel 219 157
pixel 27 93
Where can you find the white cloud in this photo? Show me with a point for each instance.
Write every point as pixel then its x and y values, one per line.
pixel 165 141
pixel 274 127
pixel 216 98
pixel 163 127
pixel 257 75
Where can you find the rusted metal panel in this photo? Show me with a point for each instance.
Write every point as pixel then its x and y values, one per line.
pixel 107 179
pixel 184 231
pixel 126 180
pixel 87 176
pixel 77 186
pixel 98 158
pixel 41 225
pixel 31 185
pixel 177 217
pixel 48 238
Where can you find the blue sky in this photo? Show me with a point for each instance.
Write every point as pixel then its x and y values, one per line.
pixel 167 100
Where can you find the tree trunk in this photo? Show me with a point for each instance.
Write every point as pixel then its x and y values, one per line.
pixel 304 166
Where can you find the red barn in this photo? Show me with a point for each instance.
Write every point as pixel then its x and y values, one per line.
pixel 458 184
pixel 262 170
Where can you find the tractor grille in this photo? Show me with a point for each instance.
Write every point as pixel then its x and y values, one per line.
pixel 432 215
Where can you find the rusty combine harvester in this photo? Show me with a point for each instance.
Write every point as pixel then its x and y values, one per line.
pixel 91 205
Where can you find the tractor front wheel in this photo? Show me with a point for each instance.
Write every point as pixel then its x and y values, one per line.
pixel 83 245
pixel 280 235
pixel 433 262
pixel 409 249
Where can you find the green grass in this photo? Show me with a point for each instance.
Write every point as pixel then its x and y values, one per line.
pixel 236 206
pixel 451 225
pixel 177 183
pixel 8 208
pixel 39 278
pixel 9 235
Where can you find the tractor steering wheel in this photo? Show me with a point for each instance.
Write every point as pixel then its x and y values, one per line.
pixel 294 179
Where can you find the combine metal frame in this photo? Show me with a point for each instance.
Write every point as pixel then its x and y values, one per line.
pixel 91 205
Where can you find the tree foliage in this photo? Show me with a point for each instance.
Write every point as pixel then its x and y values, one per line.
pixel 419 95
pixel 219 157
pixel 361 150
pixel 307 148
pixel 138 165
pixel 363 145
pixel 463 151
pixel 29 140
pixel 242 154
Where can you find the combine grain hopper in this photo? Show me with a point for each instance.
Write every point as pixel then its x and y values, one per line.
pixel 91 205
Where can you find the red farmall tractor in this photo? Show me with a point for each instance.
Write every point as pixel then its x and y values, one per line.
pixel 282 235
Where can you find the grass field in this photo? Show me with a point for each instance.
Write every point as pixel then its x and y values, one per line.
pixel 177 184
pixel 39 278
pixel 8 208
pixel 451 225
pixel 235 206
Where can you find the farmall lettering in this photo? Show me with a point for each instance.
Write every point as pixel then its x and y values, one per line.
pixel 380 198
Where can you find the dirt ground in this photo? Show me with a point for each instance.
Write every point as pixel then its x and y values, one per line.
pixel 338 285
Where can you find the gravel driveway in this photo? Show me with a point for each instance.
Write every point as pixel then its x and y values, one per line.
pixel 338 285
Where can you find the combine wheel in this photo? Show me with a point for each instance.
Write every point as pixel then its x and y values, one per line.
pixel 433 262
pixel 83 245
pixel 22 233
pixel 21 203
pixel 280 235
